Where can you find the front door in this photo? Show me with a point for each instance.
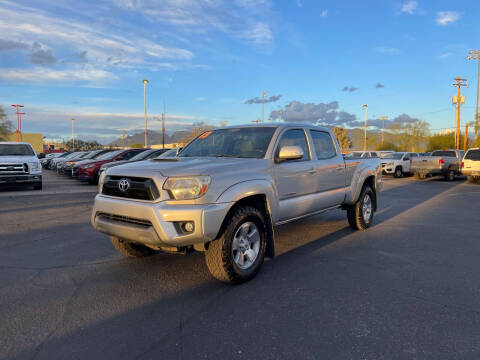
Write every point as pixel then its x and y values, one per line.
pixel 294 179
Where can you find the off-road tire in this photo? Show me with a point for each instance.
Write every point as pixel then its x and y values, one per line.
pixel 219 256
pixel 398 172
pixel 130 249
pixel 450 175
pixel 472 179
pixel 355 214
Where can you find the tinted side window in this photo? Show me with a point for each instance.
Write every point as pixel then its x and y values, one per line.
pixel 294 137
pixel 129 154
pixel 374 154
pixel 444 153
pixel 323 144
pixel 473 155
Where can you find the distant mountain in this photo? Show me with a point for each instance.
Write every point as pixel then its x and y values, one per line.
pixel 154 138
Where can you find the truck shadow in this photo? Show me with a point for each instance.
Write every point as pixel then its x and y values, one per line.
pixel 112 307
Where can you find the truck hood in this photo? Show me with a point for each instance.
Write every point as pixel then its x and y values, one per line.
pixel 185 166
pixel 17 159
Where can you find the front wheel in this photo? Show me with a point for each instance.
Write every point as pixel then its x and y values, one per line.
pixel 398 172
pixel 360 214
pixel 238 254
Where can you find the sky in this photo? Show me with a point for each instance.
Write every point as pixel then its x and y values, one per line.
pixel 208 61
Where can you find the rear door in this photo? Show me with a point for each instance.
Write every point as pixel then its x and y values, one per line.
pixel 295 179
pixel 330 173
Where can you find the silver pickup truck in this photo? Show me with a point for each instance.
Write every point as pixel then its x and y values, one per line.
pixel 440 162
pixel 228 189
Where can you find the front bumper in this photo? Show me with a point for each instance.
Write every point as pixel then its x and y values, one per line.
pixel 20 179
pixel 157 224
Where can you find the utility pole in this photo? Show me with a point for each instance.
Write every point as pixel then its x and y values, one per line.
pixel 475 55
pixel 123 138
pixel 383 118
pixel 73 136
pixel 145 82
pixel 365 107
pixel 163 131
pixel 19 121
pixel 466 138
pixel 264 94
pixel 458 99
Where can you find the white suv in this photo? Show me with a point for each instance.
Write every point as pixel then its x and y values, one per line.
pixel 398 163
pixel 471 165
pixel 19 165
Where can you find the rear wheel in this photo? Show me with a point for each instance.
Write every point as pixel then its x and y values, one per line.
pixel 398 172
pixel 472 179
pixel 450 175
pixel 238 254
pixel 130 249
pixel 360 214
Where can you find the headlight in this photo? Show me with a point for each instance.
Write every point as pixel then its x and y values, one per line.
pixel 34 166
pixel 88 166
pixel 390 164
pixel 187 188
pixel 101 180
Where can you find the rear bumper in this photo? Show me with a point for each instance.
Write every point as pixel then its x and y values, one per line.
pixel 471 172
pixel 20 179
pixel 157 224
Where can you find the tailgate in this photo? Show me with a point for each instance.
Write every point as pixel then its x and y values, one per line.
pixel 426 163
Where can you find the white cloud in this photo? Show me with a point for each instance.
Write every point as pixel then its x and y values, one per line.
pixel 40 75
pixel 324 13
pixel 299 3
pixel 445 18
pixel 445 55
pixel 259 34
pixel 409 7
pixel 387 50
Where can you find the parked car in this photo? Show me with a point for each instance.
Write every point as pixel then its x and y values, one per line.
pixel 89 170
pixel 440 162
pixel 226 191
pixel 49 163
pixel 145 155
pixel 82 162
pixel 471 165
pixel 171 152
pixel 362 154
pixel 68 165
pixel 55 162
pixel 398 164
pixel 79 156
pixel 48 157
pixel 19 165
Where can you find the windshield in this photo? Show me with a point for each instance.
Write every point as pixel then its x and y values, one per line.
pixel 354 154
pixel 109 155
pixel 394 156
pixel 247 142
pixel 473 155
pixel 169 153
pixel 16 149
pixel 444 153
pixel 143 155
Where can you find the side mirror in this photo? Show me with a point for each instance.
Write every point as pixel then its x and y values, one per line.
pixel 290 153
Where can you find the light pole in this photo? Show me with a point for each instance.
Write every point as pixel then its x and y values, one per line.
pixel 365 107
pixel 383 118
pixel 145 82
pixel 475 55
pixel 19 121
pixel 264 94
pixel 73 136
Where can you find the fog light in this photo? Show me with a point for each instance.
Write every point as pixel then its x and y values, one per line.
pixel 188 227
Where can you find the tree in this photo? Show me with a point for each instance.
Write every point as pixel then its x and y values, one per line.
pixel 387 145
pixel 6 127
pixel 81 145
pixel 342 138
pixel 410 136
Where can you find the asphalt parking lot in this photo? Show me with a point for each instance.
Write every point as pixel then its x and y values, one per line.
pixel 407 288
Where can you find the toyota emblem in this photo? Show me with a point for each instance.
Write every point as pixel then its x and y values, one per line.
pixel 124 185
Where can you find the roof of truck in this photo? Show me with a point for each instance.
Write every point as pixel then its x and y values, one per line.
pixel 275 124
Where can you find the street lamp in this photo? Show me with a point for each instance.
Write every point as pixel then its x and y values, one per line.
pixel 365 107
pixel 383 118
pixel 475 55
pixel 264 94
pixel 145 82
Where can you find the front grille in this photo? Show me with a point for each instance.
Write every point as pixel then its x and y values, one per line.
pixel 124 219
pixel 139 189
pixel 13 169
